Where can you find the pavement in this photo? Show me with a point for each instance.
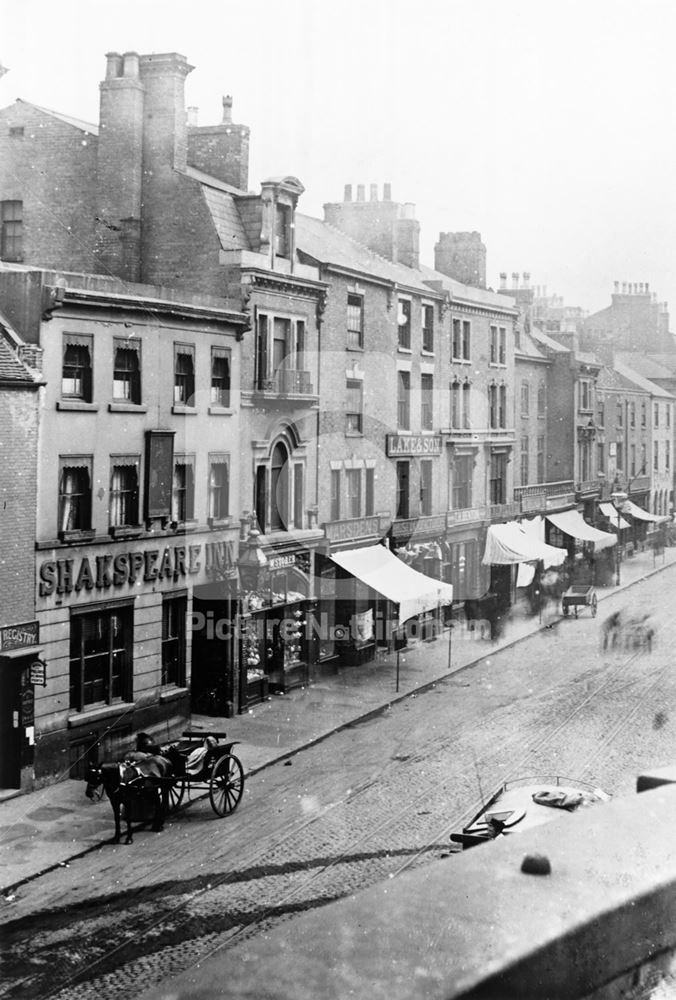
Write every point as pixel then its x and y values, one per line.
pixel 52 826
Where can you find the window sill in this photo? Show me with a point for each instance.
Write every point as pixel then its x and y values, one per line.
pixel 127 408
pixel 221 411
pixel 496 364
pixel 77 535
pixel 404 350
pixel 427 354
pixel 354 434
pixel 185 410
pixel 183 527
pixel 173 694
pixel 219 522
pixel 90 715
pixel 354 347
pixel 464 361
pixel 77 405
pixel 125 530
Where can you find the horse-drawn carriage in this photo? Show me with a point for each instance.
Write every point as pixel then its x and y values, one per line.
pixel 153 780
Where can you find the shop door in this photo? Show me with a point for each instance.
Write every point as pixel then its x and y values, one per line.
pixel 10 725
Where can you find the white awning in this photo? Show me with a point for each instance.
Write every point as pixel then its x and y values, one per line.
pixel 609 511
pixel 572 522
pixel 412 591
pixel 638 513
pixel 507 544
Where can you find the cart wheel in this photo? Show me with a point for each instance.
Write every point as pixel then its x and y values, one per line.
pixel 226 785
pixel 176 793
pixel 594 603
pixel 565 610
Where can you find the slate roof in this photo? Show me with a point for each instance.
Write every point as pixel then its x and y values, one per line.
pixel 611 378
pixel 647 365
pixel 528 348
pixel 75 122
pixel 223 209
pixel 546 341
pixel 643 383
pixel 11 369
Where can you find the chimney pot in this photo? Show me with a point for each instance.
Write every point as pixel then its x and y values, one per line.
pixel 113 65
pixel 647 287
pixel 374 192
pixel 348 193
pixel 515 279
pixel 360 192
pixel 617 287
pixel 526 279
pixel 503 279
pixel 227 110
pixel 387 192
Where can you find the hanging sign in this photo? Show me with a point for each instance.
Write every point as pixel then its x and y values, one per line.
pixel 38 673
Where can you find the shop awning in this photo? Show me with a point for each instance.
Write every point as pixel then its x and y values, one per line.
pixel 413 592
pixel 638 513
pixel 507 544
pixel 609 511
pixel 572 523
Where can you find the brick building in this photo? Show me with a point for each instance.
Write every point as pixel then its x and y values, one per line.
pixel 139 467
pixel 19 630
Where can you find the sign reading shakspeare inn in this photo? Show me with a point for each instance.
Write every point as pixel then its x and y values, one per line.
pixel 89 572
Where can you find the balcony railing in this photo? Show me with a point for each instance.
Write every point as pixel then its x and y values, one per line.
pixel 588 486
pixel 287 382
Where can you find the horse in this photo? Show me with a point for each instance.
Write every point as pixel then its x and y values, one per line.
pixel 130 783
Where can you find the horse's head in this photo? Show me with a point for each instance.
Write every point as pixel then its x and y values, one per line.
pixel 94 778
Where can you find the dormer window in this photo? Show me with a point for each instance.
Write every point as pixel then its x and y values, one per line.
pixel 282 230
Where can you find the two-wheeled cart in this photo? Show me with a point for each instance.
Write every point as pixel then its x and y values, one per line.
pixel 202 762
pixel 579 595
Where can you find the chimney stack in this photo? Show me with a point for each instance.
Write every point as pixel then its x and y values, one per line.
pixel 387 192
pixel 227 110
pixel 348 193
pixel 515 279
pixel 526 279
pixel 374 192
pixel 360 192
pixel 503 279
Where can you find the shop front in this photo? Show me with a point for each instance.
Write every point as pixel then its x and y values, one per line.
pixel 277 605
pixel 119 632
pixel 590 551
pixel 21 671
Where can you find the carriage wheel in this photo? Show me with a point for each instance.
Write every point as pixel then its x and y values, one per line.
pixel 594 603
pixel 226 784
pixel 175 794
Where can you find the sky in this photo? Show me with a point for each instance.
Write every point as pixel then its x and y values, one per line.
pixel 550 128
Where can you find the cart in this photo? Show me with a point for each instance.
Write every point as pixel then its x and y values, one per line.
pixel 579 595
pixel 220 772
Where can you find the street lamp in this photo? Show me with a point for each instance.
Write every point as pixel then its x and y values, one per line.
pixel 253 562
pixel 618 498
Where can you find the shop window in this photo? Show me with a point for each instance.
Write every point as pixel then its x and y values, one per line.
pixel 183 491
pixel 11 230
pixel 220 376
pixel 427 402
pixel 426 487
pixel 76 372
pixel 101 644
pixel 353 480
pixel 219 487
pixel 184 374
pixel 462 475
pixel 75 493
pixel 404 323
pixel 369 495
pixel 174 611
pixel 127 372
pixel 404 400
pixel 403 475
pixel 335 494
pixel 124 492
pixel 354 407
pixel 428 327
pixel 355 320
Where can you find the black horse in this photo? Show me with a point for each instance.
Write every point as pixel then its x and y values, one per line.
pixel 132 785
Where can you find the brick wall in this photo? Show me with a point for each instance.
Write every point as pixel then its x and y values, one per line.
pixel 51 168
pixel 18 489
pixel 221 151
